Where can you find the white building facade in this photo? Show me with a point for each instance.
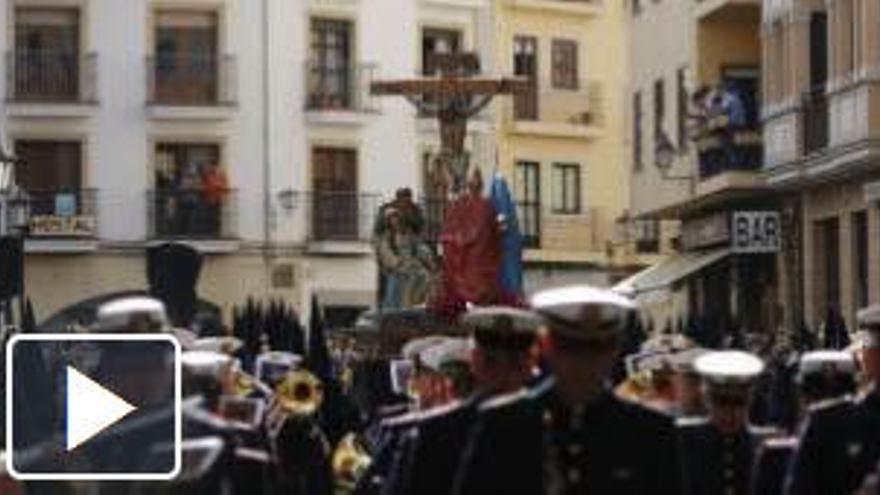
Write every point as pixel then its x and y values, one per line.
pixel 244 128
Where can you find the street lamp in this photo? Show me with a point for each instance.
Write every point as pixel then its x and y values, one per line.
pixel 14 202
pixel 664 158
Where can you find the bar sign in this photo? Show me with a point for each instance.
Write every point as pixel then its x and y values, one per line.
pixel 756 232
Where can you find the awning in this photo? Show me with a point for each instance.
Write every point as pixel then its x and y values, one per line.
pixel 666 273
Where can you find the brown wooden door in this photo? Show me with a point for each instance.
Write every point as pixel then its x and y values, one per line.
pixel 335 203
pixel 525 63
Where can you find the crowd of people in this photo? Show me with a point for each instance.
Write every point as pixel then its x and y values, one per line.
pixel 516 400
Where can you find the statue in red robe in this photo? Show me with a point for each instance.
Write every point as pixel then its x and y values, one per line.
pixel 471 240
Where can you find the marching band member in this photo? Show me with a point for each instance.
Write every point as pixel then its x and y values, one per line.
pixel 502 360
pixel 840 442
pixel 718 451
pixel 571 434
pixel 822 376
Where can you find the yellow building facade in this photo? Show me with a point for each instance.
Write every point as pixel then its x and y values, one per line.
pixel 562 143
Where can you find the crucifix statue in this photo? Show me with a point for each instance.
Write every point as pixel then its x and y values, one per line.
pixel 470 235
pixel 454 95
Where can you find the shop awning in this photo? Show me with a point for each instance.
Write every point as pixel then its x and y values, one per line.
pixel 666 273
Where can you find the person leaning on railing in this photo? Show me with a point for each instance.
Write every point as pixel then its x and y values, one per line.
pixel 215 187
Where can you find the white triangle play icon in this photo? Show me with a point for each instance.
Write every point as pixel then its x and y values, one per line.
pixel 90 408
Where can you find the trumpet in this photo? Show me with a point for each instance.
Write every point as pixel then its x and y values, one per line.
pixel 350 462
pixel 242 384
pixel 300 394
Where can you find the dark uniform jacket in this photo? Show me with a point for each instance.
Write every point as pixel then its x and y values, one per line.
pixel 839 446
pixel 535 445
pixel 713 463
pixel 390 439
pixel 771 465
pixel 432 450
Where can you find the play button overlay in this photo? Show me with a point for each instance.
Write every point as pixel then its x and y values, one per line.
pixel 93 407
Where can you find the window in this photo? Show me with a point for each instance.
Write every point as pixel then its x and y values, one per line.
pixel 566 188
pixel 527 184
pixel 46 57
pixel 335 206
pixel 638 158
pixel 682 103
pixel 847 36
pixel 330 83
pixel 52 176
pixel 51 166
pixel 647 236
pixel 818 51
pixel 564 60
pixel 659 107
pixel 525 63
pixel 436 41
pixel 182 204
pixel 186 58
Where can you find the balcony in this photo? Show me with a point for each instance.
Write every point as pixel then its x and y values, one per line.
pixel 568 7
pixel 63 221
pixel 724 148
pixel 339 95
pixel 189 86
pixel 192 214
pixel 728 10
pixel 340 222
pixel 50 83
pixel 555 112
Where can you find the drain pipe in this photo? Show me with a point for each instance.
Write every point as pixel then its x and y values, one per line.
pixel 267 182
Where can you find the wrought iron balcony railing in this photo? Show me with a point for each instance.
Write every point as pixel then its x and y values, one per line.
pixel 343 88
pixel 579 104
pixel 51 76
pixel 341 215
pixel 723 147
pixel 64 213
pixel 191 79
pixel 192 214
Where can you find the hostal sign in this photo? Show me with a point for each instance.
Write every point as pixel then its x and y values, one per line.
pixel 756 232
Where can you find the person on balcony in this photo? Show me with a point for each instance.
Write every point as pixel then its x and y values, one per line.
pixel 734 110
pixel 189 200
pixel 215 187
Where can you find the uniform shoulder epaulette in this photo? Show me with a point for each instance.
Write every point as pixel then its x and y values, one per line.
pixel 777 442
pixel 691 421
pixel 502 401
pixel 831 404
